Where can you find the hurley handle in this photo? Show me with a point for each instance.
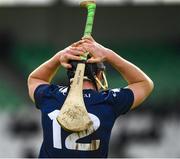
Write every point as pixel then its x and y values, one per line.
pixel 90 5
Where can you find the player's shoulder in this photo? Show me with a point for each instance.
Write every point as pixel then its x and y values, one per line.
pixel 116 93
pixel 62 89
pixel 115 90
pixel 110 91
pixel 46 93
pixel 50 89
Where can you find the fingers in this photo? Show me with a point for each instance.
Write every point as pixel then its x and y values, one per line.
pixel 78 43
pixel 88 38
pixel 66 58
pixel 79 46
pixel 78 50
pixel 94 60
pixel 70 53
pixel 89 48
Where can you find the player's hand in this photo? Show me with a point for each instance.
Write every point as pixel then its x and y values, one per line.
pixel 70 53
pixel 97 52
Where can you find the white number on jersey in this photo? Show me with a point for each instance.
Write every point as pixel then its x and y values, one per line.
pixel 71 140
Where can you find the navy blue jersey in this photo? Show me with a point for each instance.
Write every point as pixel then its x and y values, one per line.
pixel 103 108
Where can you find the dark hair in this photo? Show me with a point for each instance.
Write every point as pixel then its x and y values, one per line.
pixel 91 69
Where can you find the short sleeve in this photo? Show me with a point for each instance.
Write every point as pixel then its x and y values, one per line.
pixel 43 91
pixel 121 100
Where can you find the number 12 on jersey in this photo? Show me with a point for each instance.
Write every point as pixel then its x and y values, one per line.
pixel 70 141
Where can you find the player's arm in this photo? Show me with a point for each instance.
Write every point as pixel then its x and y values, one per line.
pixel 138 81
pixel 46 71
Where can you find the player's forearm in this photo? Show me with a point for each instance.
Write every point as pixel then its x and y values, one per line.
pixel 131 73
pixel 46 71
